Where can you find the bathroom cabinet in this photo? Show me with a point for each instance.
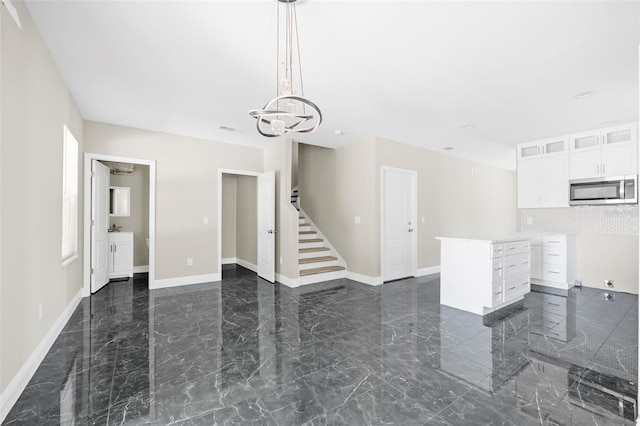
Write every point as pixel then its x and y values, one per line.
pixel 120 254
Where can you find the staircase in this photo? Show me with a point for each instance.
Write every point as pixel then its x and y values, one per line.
pixel 317 260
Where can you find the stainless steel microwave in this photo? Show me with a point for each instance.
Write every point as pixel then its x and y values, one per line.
pixel 606 190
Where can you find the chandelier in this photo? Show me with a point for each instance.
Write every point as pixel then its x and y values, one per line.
pixel 289 111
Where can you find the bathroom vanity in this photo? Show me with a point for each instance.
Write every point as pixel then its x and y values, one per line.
pixel 483 274
pixel 120 254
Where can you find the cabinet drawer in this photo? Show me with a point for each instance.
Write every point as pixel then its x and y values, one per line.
pixel 516 247
pixel 497 294
pixel 497 250
pixel 556 273
pixel 516 265
pixel 497 269
pixel 516 286
pixel 554 255
pixel 558 241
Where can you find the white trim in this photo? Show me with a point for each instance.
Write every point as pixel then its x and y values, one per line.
pixel 414 215
pixel 86 268
pixel 229 260
pixel 289 282
pixel 220 173
pixel 248 265
pixel 365 279
pixel 428 271
pixel 193 279
pixel 319 278
pixel 20 381
pixel 140 269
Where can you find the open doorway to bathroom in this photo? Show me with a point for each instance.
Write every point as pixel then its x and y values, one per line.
pixel 239 220
pixel 130 201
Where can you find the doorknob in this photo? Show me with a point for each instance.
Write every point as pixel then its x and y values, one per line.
pixel 269 231
pixel 410 230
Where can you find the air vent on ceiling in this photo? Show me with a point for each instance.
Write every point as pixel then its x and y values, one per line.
pixel 228 129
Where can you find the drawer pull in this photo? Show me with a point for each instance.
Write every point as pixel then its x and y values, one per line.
pixel 511 288
pixel 525 283
pixel 495 294
pixel 497 269
pixel 554 304
pixel 512 265
pixel 552 254
pixel 554 272
pixel 512 248
pixel 553 242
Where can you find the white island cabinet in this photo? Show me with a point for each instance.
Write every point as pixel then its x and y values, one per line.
pixel 481 275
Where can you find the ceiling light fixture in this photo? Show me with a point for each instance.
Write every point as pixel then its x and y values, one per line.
pixel 583 95
pixel 289 111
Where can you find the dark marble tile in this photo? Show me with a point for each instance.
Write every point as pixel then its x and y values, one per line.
pixel 245 351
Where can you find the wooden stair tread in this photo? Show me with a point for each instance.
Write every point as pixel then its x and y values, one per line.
pixel 311 240
pixel 313 249
pixel 317 259
pixel 307 232
pixel 323 270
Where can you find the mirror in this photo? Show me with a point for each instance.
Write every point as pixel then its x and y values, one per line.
pixel 119 201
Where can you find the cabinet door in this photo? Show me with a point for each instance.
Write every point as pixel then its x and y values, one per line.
pixel 529 150
pixel 110 259
pixel 123 257
pixel 555 181
pixel 584 164
pixel 620 135
pixel 586 141
pixel 619 160
pixel 529 183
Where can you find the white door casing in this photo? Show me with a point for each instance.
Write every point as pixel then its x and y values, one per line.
pixel 399 224
pixel 266 225
pixel 100 223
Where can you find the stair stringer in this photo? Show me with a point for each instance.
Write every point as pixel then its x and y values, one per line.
pixel 310 279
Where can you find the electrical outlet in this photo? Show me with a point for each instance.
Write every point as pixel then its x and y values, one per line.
pixel 529 220
pixel 357 219
pixel 206 220
pixel 608 283
pixel 40 310
pixel 422 219
pixel 189 261
pixel 281 261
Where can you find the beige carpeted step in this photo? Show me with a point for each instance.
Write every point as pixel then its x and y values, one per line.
pixel 307 232
pixel 317 259
pixel 313 249
pixel 313 271
pixel 311 240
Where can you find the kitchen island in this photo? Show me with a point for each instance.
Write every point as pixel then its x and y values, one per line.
pixel 483 274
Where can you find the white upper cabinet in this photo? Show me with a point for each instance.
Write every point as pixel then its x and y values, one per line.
pixel 543 170
pixel 607 152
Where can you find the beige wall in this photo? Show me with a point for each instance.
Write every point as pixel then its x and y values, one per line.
pixel 186 189
pixel 138 220
pixel 455 196
pixel 229 201
pixel 247 219
pixel 277 156
pixel 608 257
pixel 35 104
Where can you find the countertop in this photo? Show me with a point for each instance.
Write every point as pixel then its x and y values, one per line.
pixel 486 238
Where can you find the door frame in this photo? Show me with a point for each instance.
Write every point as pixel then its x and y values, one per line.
pixel 86 268
pixel 220 173
pixel 414 214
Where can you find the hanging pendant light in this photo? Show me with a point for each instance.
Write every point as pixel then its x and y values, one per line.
pixel 289 111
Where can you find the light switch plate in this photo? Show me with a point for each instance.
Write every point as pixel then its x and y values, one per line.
pixel 357 219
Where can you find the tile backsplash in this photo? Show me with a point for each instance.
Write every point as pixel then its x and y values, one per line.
pixel 591 220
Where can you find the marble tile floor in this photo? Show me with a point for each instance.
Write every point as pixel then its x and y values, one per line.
pixel 246 352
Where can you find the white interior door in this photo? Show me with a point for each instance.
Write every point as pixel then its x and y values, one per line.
pixel 399 244
pixel 267 225
pixel 100 223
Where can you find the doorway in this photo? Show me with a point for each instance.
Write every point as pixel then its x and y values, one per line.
pixel 91 237
pixel 398 215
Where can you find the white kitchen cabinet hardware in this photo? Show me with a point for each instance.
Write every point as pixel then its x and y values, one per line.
pixel 120 254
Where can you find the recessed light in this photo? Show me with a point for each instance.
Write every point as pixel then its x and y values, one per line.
pixel 227 128
pixel 338 132
pixel 448 148
pixel 583 95
pixel 469 126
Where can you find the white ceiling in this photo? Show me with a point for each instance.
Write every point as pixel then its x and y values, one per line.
pixel 411 71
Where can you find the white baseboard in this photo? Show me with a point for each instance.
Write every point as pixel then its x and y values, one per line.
pixel 289 282
pixel 365 279
pixel 428 271
pixel 193 279
pixel 229 260
pixel 20 381
pixel 140 269
pixel 245 264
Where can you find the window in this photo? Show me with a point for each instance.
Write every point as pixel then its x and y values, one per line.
pixel 69 197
